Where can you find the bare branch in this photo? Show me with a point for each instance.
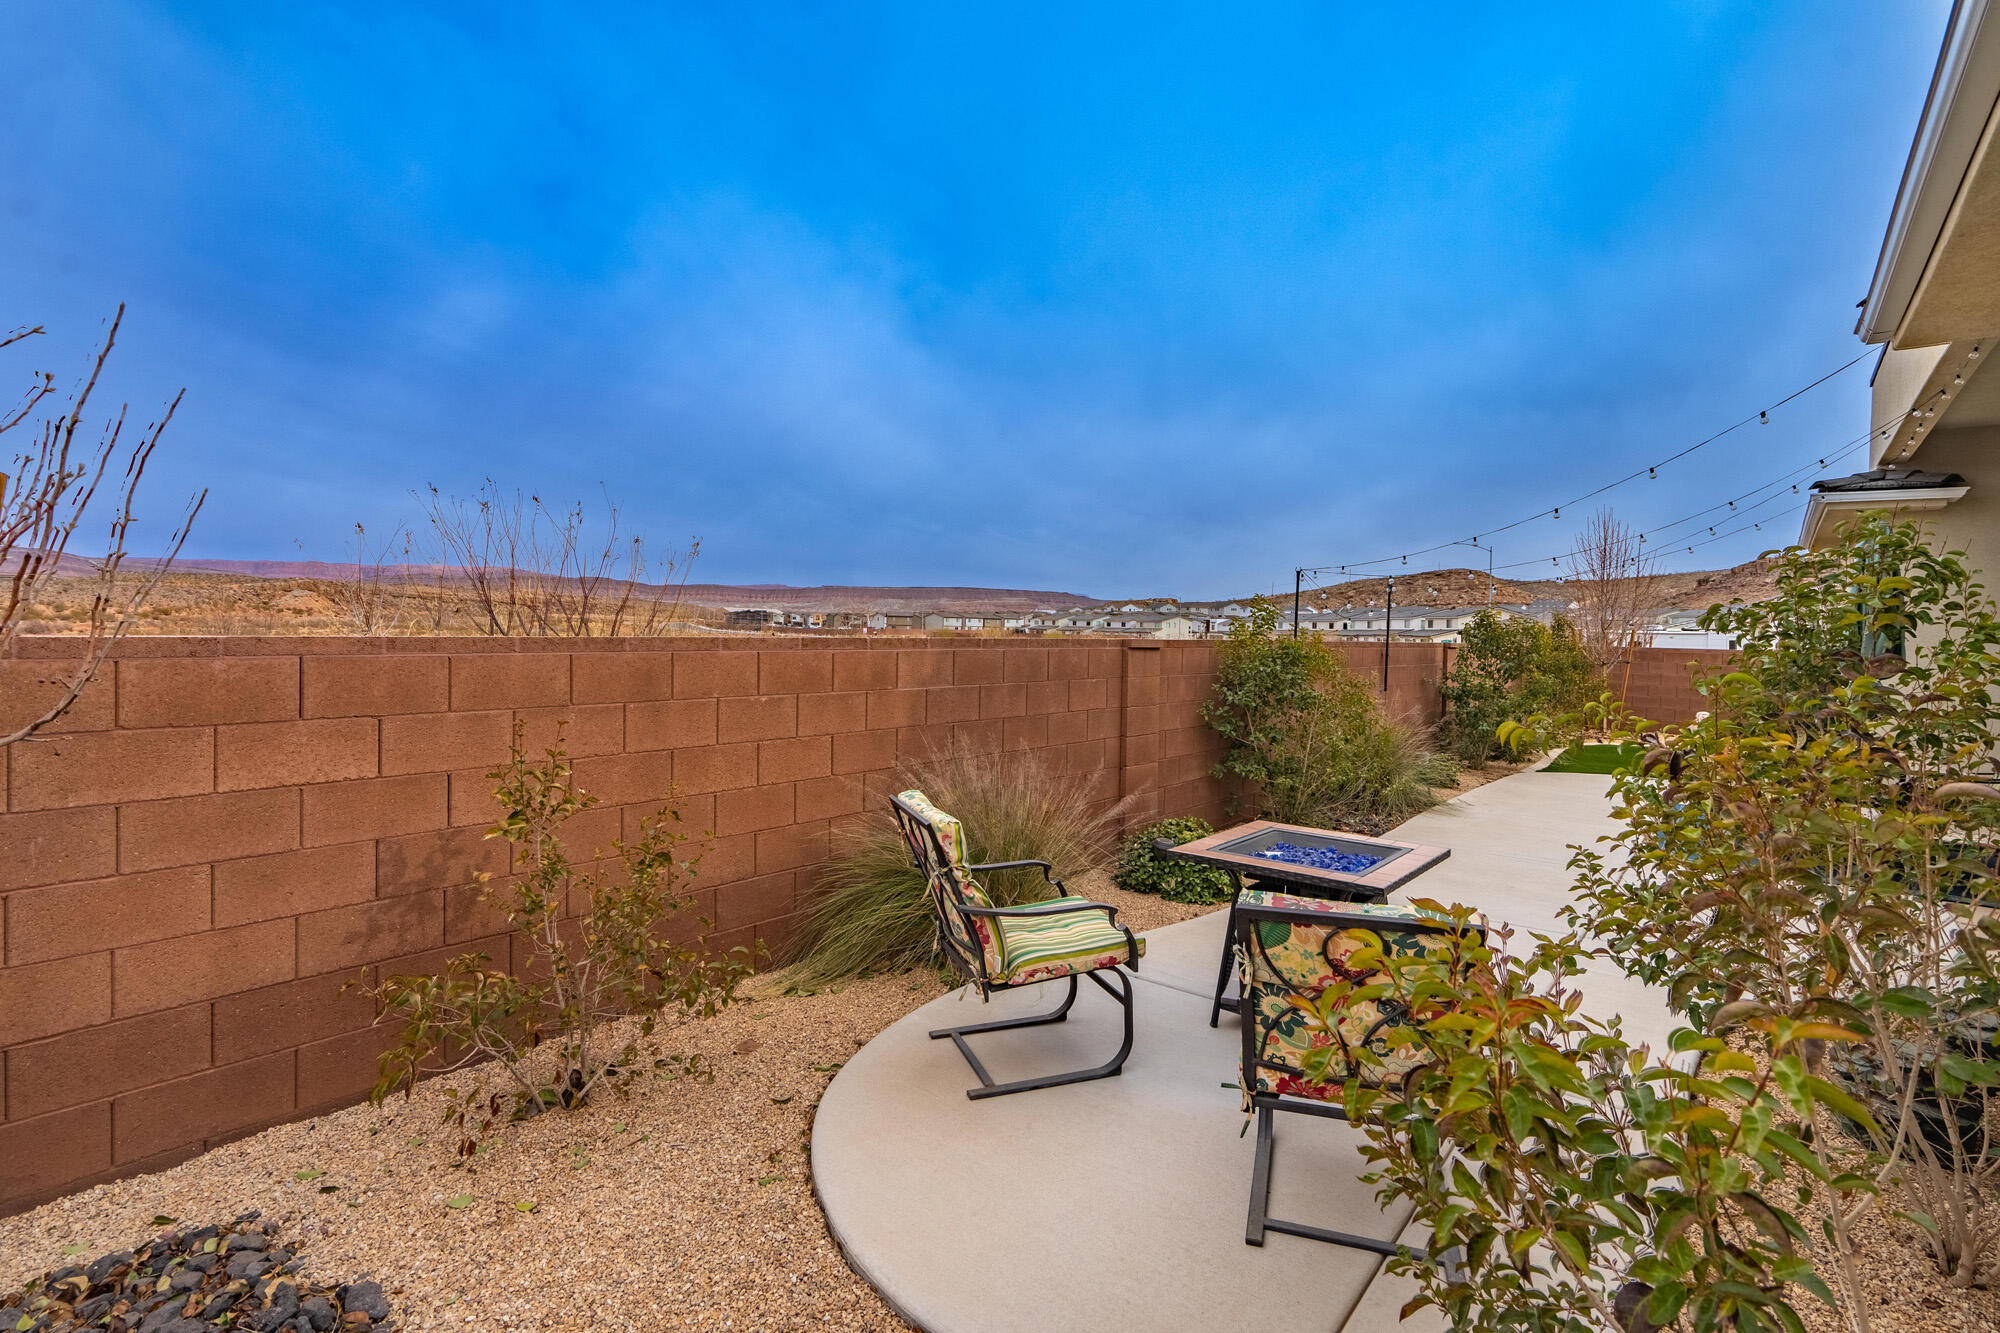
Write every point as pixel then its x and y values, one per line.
pixel 51 493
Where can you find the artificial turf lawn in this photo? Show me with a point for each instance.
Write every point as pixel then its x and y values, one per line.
pixel 1594 759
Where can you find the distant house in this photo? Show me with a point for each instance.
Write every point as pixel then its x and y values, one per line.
pixel 937 620
pixel 752 617
pixel 1685 638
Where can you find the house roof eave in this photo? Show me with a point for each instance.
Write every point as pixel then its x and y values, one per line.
pixel 1964 89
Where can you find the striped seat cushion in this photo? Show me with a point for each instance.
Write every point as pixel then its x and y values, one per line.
pixel 1035 948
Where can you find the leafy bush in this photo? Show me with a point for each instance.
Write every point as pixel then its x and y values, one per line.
pixel 1509 669
pixel 1570 1182
pixel 585 970
pixel 1823 842
pixel 1304 739
pixel 873 913
pixel 1140 869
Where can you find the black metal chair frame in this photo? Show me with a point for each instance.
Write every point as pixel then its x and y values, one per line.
pixel 970 962
pixel 1266 1105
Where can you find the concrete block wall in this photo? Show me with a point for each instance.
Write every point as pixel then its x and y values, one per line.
pixel 224 831
pixel 1658 683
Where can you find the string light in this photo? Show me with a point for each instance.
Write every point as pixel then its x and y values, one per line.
pixel 1651 470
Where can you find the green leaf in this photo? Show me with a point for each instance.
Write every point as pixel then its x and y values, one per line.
pixel 329 1189
pixel 459 1201
pixel 526 1205
pixel 1980 1073
pixel 1571 1247
pixel 766 1180
pixel 1826 1094
pixel 162 1220
pixel 308 1175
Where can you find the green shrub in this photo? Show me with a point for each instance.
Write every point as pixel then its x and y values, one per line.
pixel 1580 1182
pixel 872 912
pixel 1508 670
pixel 1821 842
pixel 1140 869
pixel 1305 742
pixel 540 1026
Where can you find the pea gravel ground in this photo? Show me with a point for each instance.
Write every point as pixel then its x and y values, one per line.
pixel 686 1205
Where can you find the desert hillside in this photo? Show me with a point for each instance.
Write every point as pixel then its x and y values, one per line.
pixel 1691 590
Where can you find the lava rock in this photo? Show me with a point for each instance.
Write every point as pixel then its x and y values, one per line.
pixel 168 1313
pixel 250 1264
pixel 107 1268
pixel 157 1287
pixel 366 1297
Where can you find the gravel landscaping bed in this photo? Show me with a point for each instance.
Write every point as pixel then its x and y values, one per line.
pixel 687 1205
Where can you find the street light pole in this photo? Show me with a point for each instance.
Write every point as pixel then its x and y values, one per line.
pixel 1475 545
pixel 1298 582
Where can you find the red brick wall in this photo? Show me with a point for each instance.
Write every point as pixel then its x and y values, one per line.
pixel 224 830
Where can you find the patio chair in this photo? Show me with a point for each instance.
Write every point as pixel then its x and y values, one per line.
pixel 1291 949
pixel 1004 948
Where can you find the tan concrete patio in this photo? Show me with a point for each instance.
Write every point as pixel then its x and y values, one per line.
pixel 1123 1200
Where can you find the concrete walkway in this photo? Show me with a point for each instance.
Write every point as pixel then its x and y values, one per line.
pixel 1122 1201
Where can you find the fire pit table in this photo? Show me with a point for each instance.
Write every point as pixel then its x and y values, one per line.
pixel 1309 862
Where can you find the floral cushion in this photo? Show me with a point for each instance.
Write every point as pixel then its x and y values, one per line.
pixel 1036 948
pixel 951 886
pixel 1290 964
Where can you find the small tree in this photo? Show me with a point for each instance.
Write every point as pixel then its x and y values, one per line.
pixel 55 478
pixel 1509 669
pixel 1822 843
pixel 586 968
pixel 1615 582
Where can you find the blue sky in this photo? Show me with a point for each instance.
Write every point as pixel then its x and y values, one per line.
pixel 1116 299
